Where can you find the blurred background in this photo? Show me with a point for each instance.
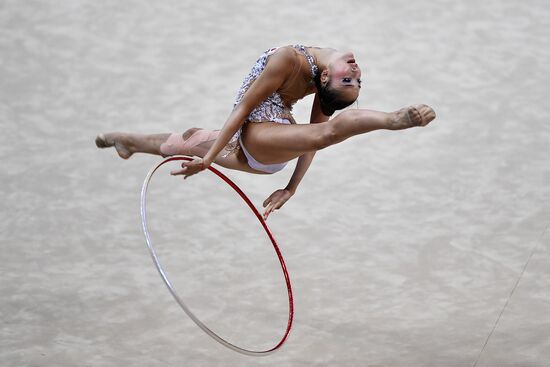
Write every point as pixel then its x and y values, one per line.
pixel 403 247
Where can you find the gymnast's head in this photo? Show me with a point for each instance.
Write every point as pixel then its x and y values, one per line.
pixel 339 83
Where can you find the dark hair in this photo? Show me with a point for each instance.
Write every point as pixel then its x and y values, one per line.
pixel 331 100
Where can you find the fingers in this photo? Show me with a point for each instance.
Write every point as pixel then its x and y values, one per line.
pixel 180 171
pixel 189 168
pixel 270 207
pixel 184 168
pixel 269 204
pixel 268 200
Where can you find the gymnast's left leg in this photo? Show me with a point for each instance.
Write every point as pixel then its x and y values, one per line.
pixel 126 144
pixel 193 142
pixel 272 143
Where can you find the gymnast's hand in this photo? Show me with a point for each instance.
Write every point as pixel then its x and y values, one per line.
pixel 276 200
pixel 190 168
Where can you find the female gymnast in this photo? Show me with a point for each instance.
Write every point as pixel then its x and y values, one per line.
pixel 261 136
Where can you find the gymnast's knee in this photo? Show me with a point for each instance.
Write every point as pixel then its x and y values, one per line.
pixel 187 134
pixel 184 143
pixel 337 129
pixel 326 135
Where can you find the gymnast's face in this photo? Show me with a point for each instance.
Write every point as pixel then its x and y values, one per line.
pixel 345 75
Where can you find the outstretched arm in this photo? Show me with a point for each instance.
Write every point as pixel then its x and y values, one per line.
pixel 281 196
pixel 270 80
pixel 305 160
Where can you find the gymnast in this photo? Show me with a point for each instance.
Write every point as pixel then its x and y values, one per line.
pixel 261 136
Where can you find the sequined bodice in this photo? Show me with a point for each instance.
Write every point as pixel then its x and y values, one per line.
pixel 272 107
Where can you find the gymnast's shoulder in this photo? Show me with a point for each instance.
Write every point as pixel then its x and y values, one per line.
pixel 284 57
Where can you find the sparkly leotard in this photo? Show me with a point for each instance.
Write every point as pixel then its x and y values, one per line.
pixel 273 108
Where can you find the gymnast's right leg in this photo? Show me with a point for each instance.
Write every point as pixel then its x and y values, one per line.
pixel 193 142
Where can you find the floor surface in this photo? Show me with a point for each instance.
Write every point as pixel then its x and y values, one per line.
pixel 403 247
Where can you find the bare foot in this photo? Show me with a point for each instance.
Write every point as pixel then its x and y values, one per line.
pixel 120 141
pixel 417 115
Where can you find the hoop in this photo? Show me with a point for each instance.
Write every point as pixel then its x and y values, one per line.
pixel 153 253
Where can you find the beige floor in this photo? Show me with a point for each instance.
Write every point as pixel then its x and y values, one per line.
pixel 403 248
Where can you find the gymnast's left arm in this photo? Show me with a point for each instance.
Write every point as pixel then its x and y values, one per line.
pixel 281 196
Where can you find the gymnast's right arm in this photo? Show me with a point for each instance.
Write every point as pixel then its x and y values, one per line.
pixel 270 80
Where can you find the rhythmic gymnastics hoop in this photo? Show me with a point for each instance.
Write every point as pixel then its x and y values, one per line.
pixel 164 277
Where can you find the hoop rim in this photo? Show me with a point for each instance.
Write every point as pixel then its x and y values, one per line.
pixel 168 284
